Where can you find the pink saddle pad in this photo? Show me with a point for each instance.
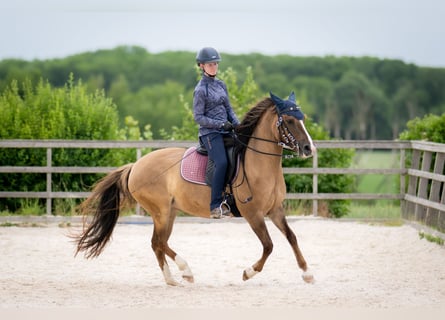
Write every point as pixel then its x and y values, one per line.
pixel 193 166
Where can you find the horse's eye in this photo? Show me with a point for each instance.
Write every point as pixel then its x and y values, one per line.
pixel 290 120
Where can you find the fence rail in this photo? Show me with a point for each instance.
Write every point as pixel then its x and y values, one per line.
pixel 422 191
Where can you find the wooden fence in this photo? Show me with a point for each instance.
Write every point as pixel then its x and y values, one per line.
pixel 422 191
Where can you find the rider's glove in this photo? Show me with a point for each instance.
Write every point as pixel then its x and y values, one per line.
pixel 227 126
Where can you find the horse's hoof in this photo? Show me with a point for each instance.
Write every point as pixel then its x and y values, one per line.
pixel 308 277
pixel 173 283
pixel 189 279
pixel 249 273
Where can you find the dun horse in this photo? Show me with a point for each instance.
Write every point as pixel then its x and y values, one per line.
pixel 154 181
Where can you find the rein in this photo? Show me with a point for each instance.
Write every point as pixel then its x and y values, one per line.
pixel 287 141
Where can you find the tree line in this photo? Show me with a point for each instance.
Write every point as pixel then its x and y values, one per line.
pixel 350 97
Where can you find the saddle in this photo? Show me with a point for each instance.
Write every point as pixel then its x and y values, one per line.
pixel 197 168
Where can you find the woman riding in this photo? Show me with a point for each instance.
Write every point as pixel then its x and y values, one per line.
pixel 216 118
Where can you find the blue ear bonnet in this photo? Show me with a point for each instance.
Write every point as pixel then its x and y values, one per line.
pixel 288 106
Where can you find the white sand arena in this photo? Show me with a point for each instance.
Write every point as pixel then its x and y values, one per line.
pixel 355 265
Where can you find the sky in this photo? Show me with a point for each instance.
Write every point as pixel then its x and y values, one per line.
pixel 408 30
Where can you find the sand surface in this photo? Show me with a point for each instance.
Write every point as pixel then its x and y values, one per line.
pixel 356 265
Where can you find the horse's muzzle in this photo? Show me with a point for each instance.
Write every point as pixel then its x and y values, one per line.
pixel 308 150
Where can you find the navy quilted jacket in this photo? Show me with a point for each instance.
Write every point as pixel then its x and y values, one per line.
pixel 211 106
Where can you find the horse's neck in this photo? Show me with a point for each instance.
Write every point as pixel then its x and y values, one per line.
pixel 263 146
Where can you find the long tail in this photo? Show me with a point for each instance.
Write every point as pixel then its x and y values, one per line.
pixel 108 197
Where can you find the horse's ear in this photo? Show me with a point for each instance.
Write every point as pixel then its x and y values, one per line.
pixel 275 99
pixel 292 97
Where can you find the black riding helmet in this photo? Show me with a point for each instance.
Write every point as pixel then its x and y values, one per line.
pixel 206 55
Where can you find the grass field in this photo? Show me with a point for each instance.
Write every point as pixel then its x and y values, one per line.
pixel 376 183
pixel 380 210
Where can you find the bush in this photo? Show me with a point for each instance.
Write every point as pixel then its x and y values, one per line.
pixel 44 112
pixel 430 128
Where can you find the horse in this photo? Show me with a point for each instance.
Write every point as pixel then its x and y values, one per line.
pixel 155 183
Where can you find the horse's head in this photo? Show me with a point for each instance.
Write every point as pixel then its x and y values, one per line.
pixel 293 133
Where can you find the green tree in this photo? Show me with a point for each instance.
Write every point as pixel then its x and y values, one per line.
pixel 406 103
pixel 395 87
pixel 358 103
pixel 318 91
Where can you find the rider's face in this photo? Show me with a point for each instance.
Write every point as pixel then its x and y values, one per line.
pixel 211 68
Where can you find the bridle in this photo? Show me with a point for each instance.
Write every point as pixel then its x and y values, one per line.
pixel 287 140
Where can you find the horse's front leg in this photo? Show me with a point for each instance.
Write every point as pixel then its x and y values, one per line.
pixel 258 225
pixel 280 221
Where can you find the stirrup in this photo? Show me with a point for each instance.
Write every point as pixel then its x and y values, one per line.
pixel 225 209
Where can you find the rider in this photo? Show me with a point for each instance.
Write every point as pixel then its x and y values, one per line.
pixel 216 118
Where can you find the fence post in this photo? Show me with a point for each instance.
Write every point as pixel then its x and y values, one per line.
pixel 412 184
pixel 423 186
pixel 402 190
pixel 315 184
pixel 138 156
pixel 441 216
pixel 49 161
pixel 432 215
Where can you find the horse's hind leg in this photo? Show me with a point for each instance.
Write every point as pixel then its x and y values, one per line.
pixel 182 265
pixel 159 245
pixel 180 262
pixel 280 221
pixel 163 226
